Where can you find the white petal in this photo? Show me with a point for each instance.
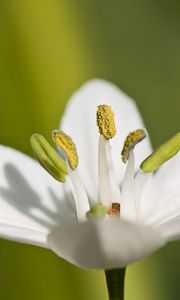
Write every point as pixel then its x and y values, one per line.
pixel 80 122
pixel 170 229
pixel 139 183
pixel 161 196
pixel 104 244
pixel 31 201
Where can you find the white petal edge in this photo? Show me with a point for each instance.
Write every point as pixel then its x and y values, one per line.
pixel 170 229
pixel 32 203
pixel 79 122
pixel 160 200
pixel 104 244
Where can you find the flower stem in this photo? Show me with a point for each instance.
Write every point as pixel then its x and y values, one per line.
pixel 115 283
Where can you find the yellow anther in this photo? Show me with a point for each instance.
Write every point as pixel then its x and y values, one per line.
pixel 105 121
pixel 67 145
pixel 132 139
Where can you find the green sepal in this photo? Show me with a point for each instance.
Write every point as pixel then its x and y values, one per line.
pixel 48 157
pixel 97 211
pixel 161 154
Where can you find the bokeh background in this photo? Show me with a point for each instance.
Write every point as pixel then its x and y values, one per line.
pixel 48 48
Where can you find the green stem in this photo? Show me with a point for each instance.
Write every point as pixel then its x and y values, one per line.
pixel 115 283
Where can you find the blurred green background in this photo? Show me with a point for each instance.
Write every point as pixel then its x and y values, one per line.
pixel 48 48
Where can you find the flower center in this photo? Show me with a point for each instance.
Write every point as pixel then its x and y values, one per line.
pixel 114 211
pixel 111 201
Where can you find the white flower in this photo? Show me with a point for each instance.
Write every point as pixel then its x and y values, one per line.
pixel 36 209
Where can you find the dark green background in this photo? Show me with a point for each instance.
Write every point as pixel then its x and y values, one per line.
pixel 48 48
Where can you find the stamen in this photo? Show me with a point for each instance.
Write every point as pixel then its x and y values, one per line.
pixel 105 121
pixel 105 196
pixel 132 139
pixel 48 157
pixel 67 145
pixel 162 154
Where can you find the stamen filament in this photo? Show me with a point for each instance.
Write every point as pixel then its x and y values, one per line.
pixel 128 204
pixel 109 191
pixel 79 194
pixel 115 190
pixel 103 176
